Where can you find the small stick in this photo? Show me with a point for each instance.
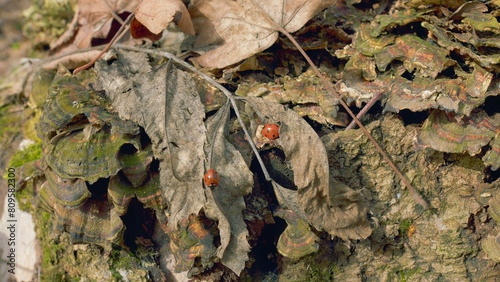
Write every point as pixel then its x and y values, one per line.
pixel 118 36
pixel 226 92
pixel 364 110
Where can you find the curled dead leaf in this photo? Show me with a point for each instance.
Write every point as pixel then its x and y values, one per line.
pixel 156 15
pixel 325 204
pixel 93 19
pixel 225 203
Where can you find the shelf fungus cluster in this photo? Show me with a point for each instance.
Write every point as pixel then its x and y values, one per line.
pixel 96 163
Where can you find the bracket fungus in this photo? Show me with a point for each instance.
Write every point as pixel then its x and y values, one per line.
pixel 192 239
pixel 92 155
pixel 297 240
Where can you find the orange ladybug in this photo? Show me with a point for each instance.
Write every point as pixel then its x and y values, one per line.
pixel 211 178
pixel 271 131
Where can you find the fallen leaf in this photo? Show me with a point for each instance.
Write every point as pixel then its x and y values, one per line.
pixel 468 8
pixel 326 204
pixel 165 103
pixel 228 203
pixel 94 19
pixel 247 27
pixel 156 15
pixel 138 30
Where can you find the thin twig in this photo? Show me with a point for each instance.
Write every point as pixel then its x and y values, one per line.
pixel 365 109
pixel 38 64
pixel 330 88
pixel 226 92
pixel 118 36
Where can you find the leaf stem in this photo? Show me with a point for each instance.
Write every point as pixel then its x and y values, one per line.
pixel 364 110
pixel 226 92
pixel 330 88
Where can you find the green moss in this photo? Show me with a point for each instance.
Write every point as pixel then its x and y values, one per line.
pixel 122 259
pixel 404 226
pixel 15 45
pixel 8 121
pixel 51 249
pixel 46 20
pixel 30 153
pixel 403 274
pixel 317 273
pixel 24 198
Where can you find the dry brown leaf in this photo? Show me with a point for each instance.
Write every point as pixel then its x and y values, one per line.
pixel 245 27
pixel 226 203
pixel 326 204
pixel 138 30
pixel 94 18
pixel 169 109
pixel 156 15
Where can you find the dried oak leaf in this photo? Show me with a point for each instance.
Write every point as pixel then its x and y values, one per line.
pixel 246 27
pixel 445 132
pixel 326 204
pixel 92 20
pixel 156 15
